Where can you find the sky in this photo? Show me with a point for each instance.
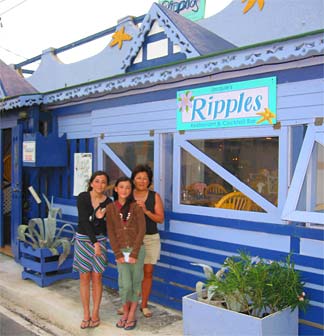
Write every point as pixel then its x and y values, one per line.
pixel 27 27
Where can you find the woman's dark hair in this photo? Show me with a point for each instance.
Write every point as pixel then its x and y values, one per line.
pixel 94 175
pixel 143 168
pixel 130 199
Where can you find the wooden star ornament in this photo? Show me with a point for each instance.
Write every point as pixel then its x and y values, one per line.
pixel 251 3
pixel 119 37
pixel 267 115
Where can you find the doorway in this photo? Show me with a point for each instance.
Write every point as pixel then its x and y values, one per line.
pixel 7 193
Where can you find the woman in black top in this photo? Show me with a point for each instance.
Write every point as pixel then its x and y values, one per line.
pixel 152 205
pixel 90 252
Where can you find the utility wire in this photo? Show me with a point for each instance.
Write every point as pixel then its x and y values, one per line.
pixel 1 25
pixel 13 7
pixel 11 52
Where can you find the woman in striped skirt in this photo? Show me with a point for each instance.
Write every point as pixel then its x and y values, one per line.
pixel 90 251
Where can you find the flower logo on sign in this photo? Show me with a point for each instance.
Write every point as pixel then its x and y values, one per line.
pixel 185 101
pixel 266 115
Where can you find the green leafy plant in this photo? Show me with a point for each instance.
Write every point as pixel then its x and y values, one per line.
pixel 254 286
pixel 43 233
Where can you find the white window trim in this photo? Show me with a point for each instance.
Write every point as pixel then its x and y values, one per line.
pixel 273 214
pixel 290 212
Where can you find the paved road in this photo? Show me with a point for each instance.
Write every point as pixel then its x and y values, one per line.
pixel 8 327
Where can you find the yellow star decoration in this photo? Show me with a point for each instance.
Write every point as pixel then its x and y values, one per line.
pixel 251 3
pixel 118 37
pixel 267 115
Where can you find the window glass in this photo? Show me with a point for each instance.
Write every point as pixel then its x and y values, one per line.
pixel 202 187
pixel 113 171
pixel 253 161
pixel 131 154
pixel 134 153
pixel 312 194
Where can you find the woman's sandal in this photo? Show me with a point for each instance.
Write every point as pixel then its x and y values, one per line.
pixel 85 324
pixel 132 326
pixel 94 323
pixel 146 312
pixel 121 323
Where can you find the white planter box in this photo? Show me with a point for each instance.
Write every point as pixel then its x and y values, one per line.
pixel 201 319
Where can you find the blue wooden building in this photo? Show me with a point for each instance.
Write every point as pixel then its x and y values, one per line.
pixel 228 106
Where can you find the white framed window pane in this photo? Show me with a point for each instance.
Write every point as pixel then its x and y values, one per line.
pixel 139 57
pixel 252 160
pixel 131 154
pixel 176 48
pixel 311 197
pixel 157 49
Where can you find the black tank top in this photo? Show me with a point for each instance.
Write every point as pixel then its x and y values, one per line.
pixel 151 226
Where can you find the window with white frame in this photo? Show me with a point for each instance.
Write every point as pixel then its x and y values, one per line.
pixel 134 153
pixel 305 201
pixel 121 158
pixel 119 155
pixel 253 161
pixel 230 172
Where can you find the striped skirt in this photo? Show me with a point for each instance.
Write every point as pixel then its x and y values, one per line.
pixel 85 259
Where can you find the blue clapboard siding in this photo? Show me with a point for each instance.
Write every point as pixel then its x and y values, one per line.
pixel 306 330
pixel 296 100
pixel 175 276
pixel 316 295
pixel 300 100
pixel 9 120
pixel 176 269
pixel 137 119
pixel 313 314
pixel 179 251
pixel 317 278
pixel 74 125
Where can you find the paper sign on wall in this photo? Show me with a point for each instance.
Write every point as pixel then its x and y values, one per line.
pixel 29 151
pixel 82 172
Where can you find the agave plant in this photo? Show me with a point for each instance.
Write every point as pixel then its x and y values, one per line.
pixel 208 292
pixel 43 232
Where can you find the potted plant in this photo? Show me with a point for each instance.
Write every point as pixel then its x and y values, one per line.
pixel 44 253
pixel 253 296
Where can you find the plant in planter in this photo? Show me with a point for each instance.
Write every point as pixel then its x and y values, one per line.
pixel 258 288
pixel 45 253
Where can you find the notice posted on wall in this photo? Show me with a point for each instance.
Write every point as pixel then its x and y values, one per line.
pixel 82 172
pixel 29 151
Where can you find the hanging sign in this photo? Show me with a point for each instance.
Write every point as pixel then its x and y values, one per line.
pixel 247 103
pixel 191 9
